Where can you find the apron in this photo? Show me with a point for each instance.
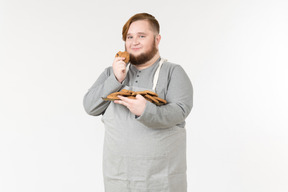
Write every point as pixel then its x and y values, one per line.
pixel 137 158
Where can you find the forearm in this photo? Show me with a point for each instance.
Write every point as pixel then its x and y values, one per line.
pixel 165 116
pixel 93 102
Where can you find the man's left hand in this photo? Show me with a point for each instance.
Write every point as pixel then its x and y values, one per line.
pixel 136 106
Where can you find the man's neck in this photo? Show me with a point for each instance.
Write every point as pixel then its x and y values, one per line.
pixel 148 63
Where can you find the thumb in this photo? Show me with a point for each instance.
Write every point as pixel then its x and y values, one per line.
pixel 138 96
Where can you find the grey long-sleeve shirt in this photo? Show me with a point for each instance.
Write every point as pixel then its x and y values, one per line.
pixel 173 85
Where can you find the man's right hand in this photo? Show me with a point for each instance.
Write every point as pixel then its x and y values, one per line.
pixel 119 68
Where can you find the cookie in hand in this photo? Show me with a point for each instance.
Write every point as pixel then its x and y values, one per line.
pixel 123 54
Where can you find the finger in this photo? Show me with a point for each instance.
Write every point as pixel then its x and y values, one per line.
pixel 138 96
pixel 127 100
pixel 120 102
pixel 119 58
pixel 121 64
pixel 123 98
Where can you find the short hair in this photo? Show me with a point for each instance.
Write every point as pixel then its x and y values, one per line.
pixel 141 16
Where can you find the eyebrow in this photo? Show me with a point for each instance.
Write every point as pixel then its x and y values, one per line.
pixel 140 33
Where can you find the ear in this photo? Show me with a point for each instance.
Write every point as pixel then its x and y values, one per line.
pixel 157 39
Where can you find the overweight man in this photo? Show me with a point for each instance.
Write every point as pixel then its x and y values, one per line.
pixel 144 144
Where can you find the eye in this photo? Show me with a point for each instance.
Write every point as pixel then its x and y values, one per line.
pixel 129 37
pixel 142 36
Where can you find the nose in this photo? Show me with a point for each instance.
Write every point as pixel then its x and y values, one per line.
pixel 135 41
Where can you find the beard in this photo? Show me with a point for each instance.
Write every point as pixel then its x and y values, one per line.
pixel 144 57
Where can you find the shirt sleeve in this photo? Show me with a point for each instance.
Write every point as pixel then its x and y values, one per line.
pixel 104 85
pixel 180 101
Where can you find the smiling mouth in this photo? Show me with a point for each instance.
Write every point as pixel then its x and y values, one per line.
pixel 136 49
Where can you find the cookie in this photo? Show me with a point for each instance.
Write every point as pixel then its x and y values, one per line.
pixel 145 93
pixel 151 98
pixel 160 100
pixel 123 54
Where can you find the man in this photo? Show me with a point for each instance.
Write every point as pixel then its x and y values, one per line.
pixel 145 144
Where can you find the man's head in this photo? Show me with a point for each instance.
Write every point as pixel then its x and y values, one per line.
pixel 141 36
pixel 155 27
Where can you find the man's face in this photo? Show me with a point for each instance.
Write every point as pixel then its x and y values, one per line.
pixel 141 42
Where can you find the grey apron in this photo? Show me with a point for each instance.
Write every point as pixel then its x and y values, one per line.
pixel 137 158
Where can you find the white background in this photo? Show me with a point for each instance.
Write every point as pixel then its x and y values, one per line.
pixel 235 52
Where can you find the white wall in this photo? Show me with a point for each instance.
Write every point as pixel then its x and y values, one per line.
pixel 235 53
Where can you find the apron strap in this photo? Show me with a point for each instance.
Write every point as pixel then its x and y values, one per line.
pixel 156 76
pixel 127 68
